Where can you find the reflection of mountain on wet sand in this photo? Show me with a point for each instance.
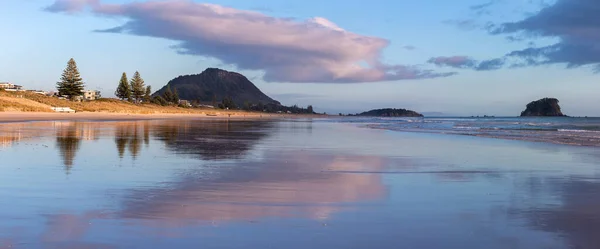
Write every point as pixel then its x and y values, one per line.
pixel 284 185
pixel 211 140
pixel 576 218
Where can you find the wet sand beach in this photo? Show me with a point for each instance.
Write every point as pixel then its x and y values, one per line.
pixel 107 116
pixel 297 183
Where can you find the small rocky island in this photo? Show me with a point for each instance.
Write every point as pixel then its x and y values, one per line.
pixel 390 112
pixel 546 107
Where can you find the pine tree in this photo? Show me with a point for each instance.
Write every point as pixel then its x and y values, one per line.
pixel 137 87
pixel 147 96
pixel 168 94
pixel 123 90
pixel 310 109
pixel 70 84
pixel 175 97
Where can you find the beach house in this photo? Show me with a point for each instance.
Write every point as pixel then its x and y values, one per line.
pixel 10 87
pixel 91 95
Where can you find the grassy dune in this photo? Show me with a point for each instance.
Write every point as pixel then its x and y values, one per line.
pixel 32 102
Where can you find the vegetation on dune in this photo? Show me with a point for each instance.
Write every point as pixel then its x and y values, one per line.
pixel 6 106
pixel 100 105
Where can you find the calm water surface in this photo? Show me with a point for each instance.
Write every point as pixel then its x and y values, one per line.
pixel 289 184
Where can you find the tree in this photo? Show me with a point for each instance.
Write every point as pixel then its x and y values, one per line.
pixel 159 101
pixel 214 101
pixel 137 87
pixel 310 109
pixel 70 84
pixel 175 98
pixel 168 94
pixel 147 96
pixel 228 103
pixel 123 90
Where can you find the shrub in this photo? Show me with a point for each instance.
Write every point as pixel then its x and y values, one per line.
pixel 159 101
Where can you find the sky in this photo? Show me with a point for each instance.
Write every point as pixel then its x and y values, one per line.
pixel 462 57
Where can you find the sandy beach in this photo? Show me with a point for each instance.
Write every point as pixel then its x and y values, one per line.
pixel 106 116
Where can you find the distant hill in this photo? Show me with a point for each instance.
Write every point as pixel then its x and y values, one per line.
pixel 390 112
pixel 544 107
pixel 217 84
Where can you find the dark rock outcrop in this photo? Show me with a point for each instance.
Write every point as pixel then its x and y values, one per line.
pixel 390 112
pixel 546 107
pixel 216 84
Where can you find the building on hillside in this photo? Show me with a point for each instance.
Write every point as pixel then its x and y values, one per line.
pixel 10 87
pixel 38 92
pixel 91 95
pixel 185 103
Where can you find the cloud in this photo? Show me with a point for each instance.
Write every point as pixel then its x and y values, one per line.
pixel 464 24
pixel 465 62
pixel 71 6
pixel 484 8
pixel 574 23
pixel 453 61
pixel 287 50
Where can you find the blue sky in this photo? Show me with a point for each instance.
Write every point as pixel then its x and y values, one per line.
pixel 401 39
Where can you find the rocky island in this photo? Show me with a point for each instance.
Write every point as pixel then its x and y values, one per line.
pixel 390 112
pixel 546 107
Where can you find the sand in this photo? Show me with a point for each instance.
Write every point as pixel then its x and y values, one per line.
pixel 105 116
pixel 99 116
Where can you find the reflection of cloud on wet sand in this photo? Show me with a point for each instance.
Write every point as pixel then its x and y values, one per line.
pixel 7 244
pixel 577 215
pixel 285 185
pixel 67 230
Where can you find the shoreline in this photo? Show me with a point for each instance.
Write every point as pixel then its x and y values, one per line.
pixel 16 117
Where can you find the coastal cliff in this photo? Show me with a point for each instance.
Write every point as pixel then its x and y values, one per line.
pixel 390 112
pixel 546 107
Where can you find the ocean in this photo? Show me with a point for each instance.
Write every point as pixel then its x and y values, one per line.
pixel 558 130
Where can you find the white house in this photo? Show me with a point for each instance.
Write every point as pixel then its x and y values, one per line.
pixel 10 86
pixel 91 95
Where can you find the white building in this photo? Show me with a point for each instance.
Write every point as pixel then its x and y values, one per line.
pixel 91 95
pixel 10 86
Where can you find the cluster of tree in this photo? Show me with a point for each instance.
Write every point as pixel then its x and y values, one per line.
pixel 133 90
pixel 70 84
pixel 227 103
pixel 168 97
pixel 274 108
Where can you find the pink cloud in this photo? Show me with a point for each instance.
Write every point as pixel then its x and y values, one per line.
pixel 287 50
pixel 71 6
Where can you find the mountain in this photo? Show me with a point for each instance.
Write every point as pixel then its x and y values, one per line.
pixel 390 112
pixel 217 84
pixel 547 107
